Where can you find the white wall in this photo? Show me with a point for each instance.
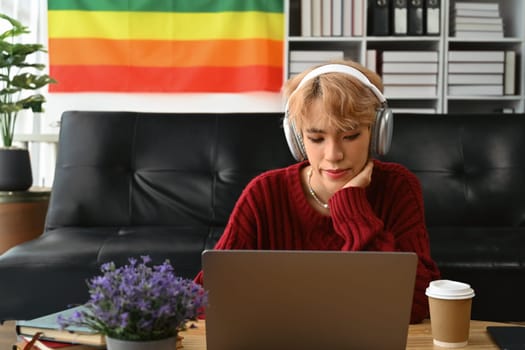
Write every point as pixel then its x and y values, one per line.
pixel 246 102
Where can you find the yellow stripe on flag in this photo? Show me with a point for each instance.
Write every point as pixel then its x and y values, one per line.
pixel 165 26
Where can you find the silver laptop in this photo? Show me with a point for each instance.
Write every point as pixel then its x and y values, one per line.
pixel 260 299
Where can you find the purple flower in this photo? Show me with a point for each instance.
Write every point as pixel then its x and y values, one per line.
pixel 139 302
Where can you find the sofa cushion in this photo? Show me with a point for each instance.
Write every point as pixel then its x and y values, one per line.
pixel 498 248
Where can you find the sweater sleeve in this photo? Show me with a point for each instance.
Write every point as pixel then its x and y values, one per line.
pixel 355 221
pixel 407 223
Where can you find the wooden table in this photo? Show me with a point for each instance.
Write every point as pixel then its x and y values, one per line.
pixel 419 336
pixel 22 215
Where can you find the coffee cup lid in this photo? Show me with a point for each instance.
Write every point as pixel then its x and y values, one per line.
pixel 447 289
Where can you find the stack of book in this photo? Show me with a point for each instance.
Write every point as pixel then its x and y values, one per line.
pixel 408 74
pixel 476 20
pixel 52 336
pixel 301 60
pixel 332 17
pixel 481 72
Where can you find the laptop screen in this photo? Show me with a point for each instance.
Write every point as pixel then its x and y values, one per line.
pixel 260 299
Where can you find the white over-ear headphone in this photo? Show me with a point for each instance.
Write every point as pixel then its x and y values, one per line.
pixel 381 133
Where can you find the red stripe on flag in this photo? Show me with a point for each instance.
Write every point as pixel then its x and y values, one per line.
pixel 159 79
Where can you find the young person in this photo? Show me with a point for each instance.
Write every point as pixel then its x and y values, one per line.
pixel 337 197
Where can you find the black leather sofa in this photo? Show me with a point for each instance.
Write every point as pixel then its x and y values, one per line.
pixel 128 184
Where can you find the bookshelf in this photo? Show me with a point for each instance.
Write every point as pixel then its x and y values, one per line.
pixel 443 82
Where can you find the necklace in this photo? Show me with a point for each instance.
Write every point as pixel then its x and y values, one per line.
pixel 311 190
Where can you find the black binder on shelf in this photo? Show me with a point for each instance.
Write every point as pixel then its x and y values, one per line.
pixel 432 17
pixel 415 17
pixel 399 18
pixel 378 17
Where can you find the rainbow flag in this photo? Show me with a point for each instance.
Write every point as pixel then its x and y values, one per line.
pixel 166 45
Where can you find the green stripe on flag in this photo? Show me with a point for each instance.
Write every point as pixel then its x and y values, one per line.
pixel 276 6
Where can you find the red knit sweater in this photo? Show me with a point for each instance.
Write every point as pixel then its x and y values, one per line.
pixel 273 213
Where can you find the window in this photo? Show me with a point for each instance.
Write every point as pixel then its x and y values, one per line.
pixel 37 132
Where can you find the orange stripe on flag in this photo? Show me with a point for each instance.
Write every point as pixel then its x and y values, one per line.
pixel 164 53
pixel 161 79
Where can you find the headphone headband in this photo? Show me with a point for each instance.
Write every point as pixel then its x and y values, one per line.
pixel 341 68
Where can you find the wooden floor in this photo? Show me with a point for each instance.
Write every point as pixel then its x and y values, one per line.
pixel 7 335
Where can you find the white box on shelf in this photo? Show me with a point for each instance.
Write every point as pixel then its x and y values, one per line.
pixel 410 79
pixel 476 56
pixel 481 78
pixel 409 67
pixel 475 90
pixel 316 55
pixel 405 91
pixel 409 56
pixel 510 73
pixel 306 18
pixel 476 67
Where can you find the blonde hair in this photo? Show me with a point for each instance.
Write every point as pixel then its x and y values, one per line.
pixel 346 100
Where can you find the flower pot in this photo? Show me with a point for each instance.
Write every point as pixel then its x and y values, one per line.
pixel 15 169
pixel 162 344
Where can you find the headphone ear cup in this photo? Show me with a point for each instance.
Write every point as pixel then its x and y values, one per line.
pixel 382 132
pixel 294 139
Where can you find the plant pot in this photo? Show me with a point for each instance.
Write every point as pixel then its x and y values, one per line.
pixel 15 169
pixel 162 344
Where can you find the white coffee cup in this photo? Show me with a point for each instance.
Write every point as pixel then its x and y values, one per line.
pixel 450 305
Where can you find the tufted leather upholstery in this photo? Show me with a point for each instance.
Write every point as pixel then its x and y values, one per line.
pixel 130 183
pixel 472 170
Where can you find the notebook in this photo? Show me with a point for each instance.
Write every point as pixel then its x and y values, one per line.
pixel 308 299
pixel 508 337
pixel 51 330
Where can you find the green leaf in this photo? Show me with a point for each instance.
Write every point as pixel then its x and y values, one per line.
pixel 7 108
pixel 17 28
pixel 30 81
pixel 16 76
pixel 9 91
pixel 34 102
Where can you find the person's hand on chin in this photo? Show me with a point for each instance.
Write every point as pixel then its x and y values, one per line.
pixel 362 179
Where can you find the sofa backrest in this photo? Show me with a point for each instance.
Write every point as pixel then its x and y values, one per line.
pixel 187 170
pixel 471 167
pixel 134 169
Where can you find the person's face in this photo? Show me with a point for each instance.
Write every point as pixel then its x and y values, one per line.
pixel 336 156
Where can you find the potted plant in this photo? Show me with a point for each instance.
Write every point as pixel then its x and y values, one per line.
pixel 19 79
pixel 137 306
